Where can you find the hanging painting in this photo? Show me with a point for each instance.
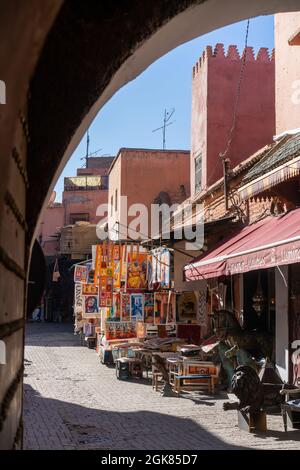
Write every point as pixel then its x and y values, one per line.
pixel 89 289
pixel 125 307
pixel 78 300
pixel 116 306
pixel 81 274
pixel 171 310
pixel 136 270
pixel 165 268
pixel 187 307
pixel 91 309
pixel 137 307
pixel 149 308
pixel 160 308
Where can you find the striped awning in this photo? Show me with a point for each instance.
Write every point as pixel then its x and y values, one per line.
pixel 289 169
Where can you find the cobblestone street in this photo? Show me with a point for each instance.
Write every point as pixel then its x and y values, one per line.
pixel 72 401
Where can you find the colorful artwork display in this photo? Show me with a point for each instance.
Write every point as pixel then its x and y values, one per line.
pixel 149 308
pixel 160 308
pixel 81 274
pixel 125 307
pixel 136 270
pixel 137 307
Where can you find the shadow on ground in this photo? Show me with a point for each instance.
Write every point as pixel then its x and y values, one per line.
pixel 72 426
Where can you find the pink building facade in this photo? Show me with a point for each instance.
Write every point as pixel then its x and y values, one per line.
pixel 53 220
pixel 81 197
pixel 214 92
pixel 287 41
pixel 146 177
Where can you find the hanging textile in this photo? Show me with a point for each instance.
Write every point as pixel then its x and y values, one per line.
pixel 56 273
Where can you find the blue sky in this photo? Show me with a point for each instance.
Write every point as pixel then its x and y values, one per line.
pixel 128 119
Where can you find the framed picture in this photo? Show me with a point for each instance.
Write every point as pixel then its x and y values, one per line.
pixel 187 307
pixel 91 307
pixel 137 307
pixel 81 274
pixel 149 308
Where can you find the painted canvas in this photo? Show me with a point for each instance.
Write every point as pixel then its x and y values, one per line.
pixel 116 306
pixel 160 308
pixel 137 270
pixel 137 307
pixel 187 307
pixel 81 274
pixel 89 289
pixel 149 308
pixel 125 307
pixel 171 310
pixel 91 308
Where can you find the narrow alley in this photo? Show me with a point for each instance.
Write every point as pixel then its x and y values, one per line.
pixel 72 401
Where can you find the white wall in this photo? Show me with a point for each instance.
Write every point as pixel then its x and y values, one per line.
pixel 282 328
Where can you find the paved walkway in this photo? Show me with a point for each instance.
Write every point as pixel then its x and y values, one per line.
pixel 72 401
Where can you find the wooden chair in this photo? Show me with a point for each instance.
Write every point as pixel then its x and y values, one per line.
pixel 290 410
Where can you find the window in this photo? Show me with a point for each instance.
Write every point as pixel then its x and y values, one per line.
pixel 116 200
pixel 198 173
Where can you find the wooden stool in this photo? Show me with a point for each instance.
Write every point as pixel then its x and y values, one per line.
pixel 155 378
pixel 252 421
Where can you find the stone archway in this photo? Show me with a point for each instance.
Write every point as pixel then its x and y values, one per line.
pixel 61 61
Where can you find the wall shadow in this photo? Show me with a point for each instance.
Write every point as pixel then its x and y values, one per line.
pixel 54 424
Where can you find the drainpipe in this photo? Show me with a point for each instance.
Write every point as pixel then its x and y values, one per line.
pixel 225 162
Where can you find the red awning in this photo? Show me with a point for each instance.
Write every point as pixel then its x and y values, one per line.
pixel 270 242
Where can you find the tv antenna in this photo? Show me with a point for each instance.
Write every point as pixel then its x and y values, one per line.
pixel 167 117
pixel 88 155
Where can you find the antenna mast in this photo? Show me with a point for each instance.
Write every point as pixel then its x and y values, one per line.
pixel 87 148
pixel 167 117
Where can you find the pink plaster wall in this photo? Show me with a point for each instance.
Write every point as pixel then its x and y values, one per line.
pixel 214 91
pixel 53 219
pixel 83 202
pixel 287 71
pixel 141 174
